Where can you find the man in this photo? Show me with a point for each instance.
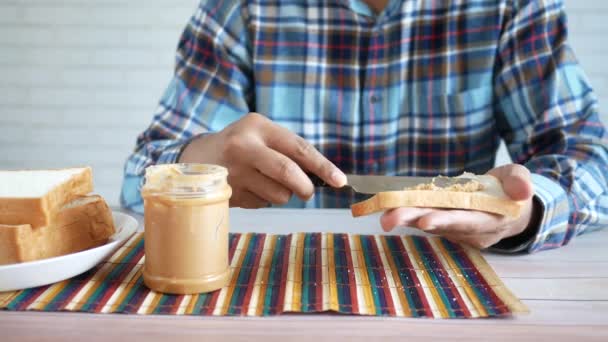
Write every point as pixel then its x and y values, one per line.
pixel 395 87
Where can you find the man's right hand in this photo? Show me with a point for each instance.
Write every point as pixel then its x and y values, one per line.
pixel 266 162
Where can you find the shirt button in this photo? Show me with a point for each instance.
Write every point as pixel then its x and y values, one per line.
pixel 375 98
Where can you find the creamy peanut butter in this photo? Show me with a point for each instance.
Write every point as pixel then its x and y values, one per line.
pixel 463 183
pixel 186 228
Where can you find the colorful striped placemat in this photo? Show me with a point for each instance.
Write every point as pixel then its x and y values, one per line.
pixel 409 276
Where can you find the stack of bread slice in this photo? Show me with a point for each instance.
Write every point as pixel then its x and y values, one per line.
pixel 48 213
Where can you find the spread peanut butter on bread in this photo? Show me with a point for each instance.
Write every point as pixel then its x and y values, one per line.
pixel 466 192
pixel 469 185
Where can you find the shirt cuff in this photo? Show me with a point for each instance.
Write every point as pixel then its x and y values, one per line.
pixel 551 200
pixel 555 213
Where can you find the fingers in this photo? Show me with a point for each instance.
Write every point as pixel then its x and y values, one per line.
pixel 515 181
pixel 474 228
pixel 441 220
pixel 267 189
pixel 270 161
pixel 305 155
pixel 283 170
pixel 248 200
pixel 479 241
pixel 460 222
pixel 402 217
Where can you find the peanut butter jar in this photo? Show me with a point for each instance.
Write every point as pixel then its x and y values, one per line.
pixel 186 228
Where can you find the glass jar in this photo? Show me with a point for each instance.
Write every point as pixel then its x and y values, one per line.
pixel 186 228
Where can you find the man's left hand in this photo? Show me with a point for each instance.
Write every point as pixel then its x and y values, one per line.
pixel 475 228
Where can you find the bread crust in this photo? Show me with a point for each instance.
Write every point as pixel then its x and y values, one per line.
pixel 72 230
pixel 477 200
pixel 37 212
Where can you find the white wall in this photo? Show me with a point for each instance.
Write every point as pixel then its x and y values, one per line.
pixel 79 79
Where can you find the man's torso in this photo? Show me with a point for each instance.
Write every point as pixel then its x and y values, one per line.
pixel 407 91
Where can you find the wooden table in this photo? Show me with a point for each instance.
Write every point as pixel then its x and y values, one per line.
pixel 565 289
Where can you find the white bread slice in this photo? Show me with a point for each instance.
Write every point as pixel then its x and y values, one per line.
pixel 32 196
pixel 83 223
pixel 490 199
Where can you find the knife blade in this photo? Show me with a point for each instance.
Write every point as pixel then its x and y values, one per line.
pixel 373 184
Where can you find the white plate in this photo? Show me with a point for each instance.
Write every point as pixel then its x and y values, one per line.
pixel 47 271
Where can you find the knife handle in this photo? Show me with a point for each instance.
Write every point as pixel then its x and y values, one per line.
pixel 316 180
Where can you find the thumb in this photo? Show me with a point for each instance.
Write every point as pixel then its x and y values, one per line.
pixel 515 180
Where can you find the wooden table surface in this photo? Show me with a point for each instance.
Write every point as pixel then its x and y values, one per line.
pixel 566 291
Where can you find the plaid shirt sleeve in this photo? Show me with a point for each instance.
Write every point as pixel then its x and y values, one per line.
pixel 210 88
pixel 549 118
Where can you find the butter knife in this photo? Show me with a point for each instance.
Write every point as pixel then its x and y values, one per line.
pixel 373 184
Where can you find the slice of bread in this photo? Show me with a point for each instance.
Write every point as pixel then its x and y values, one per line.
pixel 490 198
pixel 83 223
pixel 32 196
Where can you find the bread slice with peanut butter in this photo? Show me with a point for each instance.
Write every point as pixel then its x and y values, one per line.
pixel 470 192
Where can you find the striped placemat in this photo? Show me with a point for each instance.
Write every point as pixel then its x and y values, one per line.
pixel 407 276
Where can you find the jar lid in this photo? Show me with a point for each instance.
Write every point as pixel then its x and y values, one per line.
pixel 184 178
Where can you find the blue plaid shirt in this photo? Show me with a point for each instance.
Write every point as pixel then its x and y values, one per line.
pixel 422 88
